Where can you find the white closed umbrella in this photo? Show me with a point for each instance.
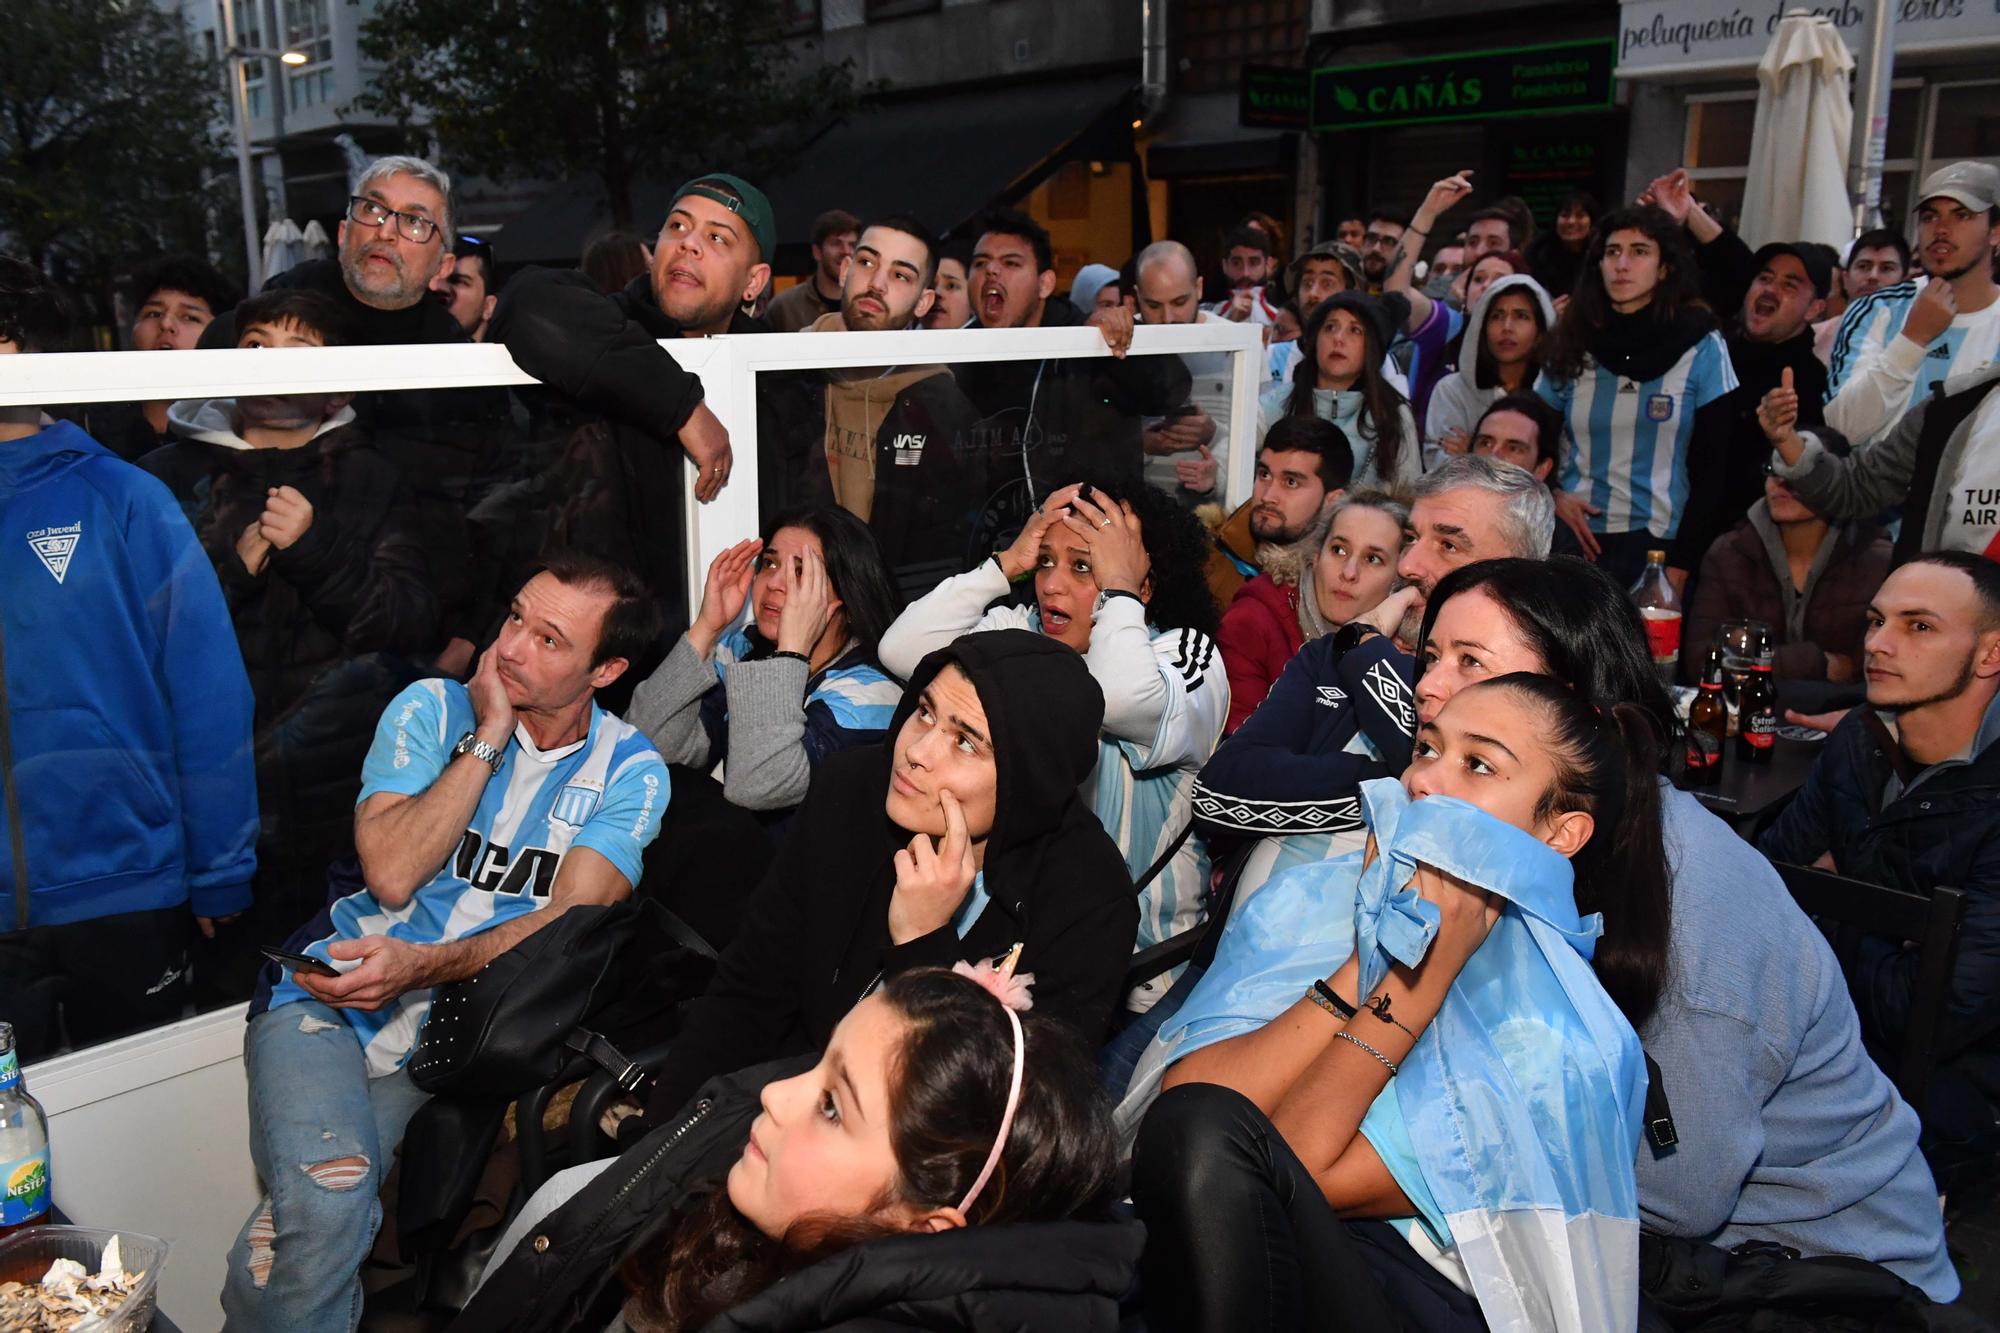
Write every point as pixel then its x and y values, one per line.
pixel 317 244
pixel 284 246
pixel 1797 187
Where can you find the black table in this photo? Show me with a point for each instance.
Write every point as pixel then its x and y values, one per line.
pixel 1747 791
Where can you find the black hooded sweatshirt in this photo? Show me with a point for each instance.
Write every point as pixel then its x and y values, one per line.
pixel 815 937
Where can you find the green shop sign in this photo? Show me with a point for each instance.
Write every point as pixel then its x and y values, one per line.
pixel 1468 85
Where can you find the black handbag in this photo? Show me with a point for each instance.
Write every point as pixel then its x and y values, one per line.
pixel 518 1022
pixel 1690 1286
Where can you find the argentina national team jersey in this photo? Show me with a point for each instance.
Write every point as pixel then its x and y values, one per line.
pixel 1874 374
pixel 1627 443
pixel 605 792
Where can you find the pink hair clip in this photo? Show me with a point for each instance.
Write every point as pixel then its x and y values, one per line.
pixel 1000 980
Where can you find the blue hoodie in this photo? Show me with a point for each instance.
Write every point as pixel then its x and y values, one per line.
pixel 126 700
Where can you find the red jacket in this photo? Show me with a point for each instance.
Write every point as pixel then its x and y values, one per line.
pixel 1260 632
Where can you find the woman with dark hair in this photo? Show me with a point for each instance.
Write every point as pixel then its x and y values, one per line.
pixel 1411 1033
pixel 1555 258
pixel 1512 315
pixel 946 1164
pixel 1339 378
pixel 1641 375
pixel 798 681
pixel 1120 578
pixel 614 259
pixel 1787 1131
pixel 962 836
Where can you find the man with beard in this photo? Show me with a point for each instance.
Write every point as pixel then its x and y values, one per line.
pixel 1303 467
pixel 892 434
pixel 820 294
pixel 1776 295
pixel 468 290
pixel 616 492
pixel 1905 795
pixel 1897 342
pixel 394 243
pixel 1379 246
pixel 1040 419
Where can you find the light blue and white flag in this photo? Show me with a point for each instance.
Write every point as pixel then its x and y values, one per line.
pixel 1523 1100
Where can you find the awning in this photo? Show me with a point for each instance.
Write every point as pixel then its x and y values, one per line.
pixel 1201 136
pixel 943 158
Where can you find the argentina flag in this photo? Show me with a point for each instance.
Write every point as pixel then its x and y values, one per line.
pixel 1523 1099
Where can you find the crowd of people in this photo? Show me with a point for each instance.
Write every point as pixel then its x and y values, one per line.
pixel 1489 1024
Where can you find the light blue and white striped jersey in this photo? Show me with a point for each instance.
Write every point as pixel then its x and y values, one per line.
pixel 605 792
pixel 1627 443
pixel 857 694
pixel 1874 374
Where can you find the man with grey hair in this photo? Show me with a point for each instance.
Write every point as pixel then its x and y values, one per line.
pixel 1473 508
pixel 1179 459
pixel 395 240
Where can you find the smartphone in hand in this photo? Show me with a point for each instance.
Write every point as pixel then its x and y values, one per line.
pixel 298 962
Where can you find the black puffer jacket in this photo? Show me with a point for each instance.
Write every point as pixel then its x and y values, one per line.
pixel 356 582
pixel 1055 1275
pixel 1943 830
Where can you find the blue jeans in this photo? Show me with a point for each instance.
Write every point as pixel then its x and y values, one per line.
pixel 322 1134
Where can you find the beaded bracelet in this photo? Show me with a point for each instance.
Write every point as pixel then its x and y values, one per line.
pixel 1387 1063
pixel 1323 995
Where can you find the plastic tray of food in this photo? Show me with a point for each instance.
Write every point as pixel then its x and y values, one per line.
pixel 79 1280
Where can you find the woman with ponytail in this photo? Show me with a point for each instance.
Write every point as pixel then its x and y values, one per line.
pixel 1787 1132
pixel 1412 1033
pixel 947 1160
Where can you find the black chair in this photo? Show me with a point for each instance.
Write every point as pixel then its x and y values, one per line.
pixel 1846 910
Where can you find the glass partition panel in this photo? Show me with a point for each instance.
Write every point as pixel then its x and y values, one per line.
pixel 233 573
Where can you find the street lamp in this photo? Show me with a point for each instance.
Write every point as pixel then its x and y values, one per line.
pixel 253 249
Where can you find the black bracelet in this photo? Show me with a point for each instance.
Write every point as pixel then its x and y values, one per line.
pixel 786 652
pixel 1110 593
pixel 1326 993
pixel 1379 1006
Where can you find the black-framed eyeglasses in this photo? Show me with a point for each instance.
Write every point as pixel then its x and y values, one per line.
pixel 410 226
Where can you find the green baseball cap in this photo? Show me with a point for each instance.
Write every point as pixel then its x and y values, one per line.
pixel 743 199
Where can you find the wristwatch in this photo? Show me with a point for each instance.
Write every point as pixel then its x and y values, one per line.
pixel 470 744
pixel 1351 635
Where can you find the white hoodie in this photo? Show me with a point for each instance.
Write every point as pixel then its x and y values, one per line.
pixel 213 421
pixel 1458 402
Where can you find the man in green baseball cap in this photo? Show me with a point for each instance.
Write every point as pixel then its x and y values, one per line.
pixel 713 253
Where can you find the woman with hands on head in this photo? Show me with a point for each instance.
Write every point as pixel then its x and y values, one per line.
pixel 1119 578
pixel 960 837
pixel 798 680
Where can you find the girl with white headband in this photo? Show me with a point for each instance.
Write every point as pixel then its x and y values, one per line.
pixel 948 1159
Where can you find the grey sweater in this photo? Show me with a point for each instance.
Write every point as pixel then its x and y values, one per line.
pixel 1788 1130
pixel 769 767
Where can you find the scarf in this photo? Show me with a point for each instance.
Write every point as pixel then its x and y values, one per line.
pixel 1523 1098
pixel 1311 622
pixel 1642 346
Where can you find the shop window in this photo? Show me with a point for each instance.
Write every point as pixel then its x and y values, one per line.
pixel 799 17
pixel 1971 128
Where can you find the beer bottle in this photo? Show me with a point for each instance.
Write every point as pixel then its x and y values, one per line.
pixel 1757 714
pixel 24 1146
pixel 1708 725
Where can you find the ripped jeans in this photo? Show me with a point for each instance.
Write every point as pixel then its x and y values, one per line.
pixel 322 1134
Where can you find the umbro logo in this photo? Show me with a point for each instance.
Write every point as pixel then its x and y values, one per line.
pixel 1331 696
pixel 54 547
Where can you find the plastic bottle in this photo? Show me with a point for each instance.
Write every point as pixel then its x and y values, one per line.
pixel 1660 607
pixel 24 1146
